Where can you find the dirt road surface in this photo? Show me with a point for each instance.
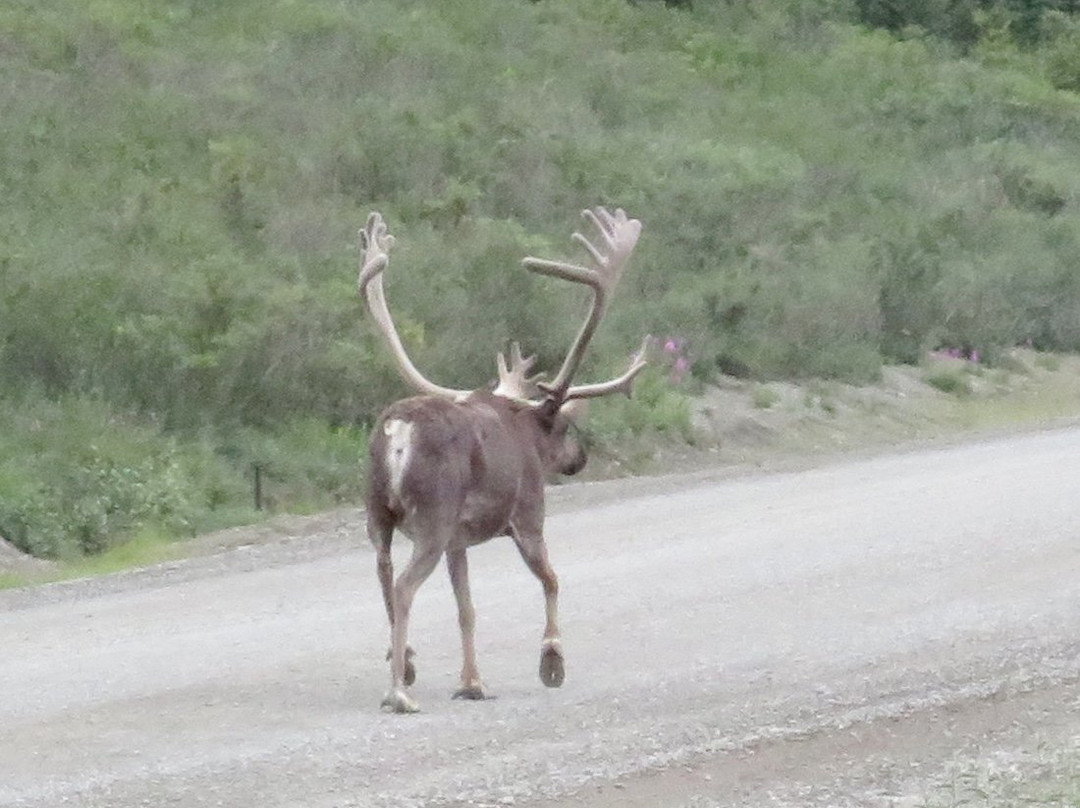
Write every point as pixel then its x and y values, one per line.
pixel 832 636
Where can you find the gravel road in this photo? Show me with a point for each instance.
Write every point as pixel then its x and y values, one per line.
pixel 834 636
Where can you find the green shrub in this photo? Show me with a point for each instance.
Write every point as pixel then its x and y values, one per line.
pixel 305 464
pixel 656 407
pixel 949 380
pixel 764 397
pixel 76 479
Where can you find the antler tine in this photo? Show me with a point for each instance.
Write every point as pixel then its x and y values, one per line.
pixel 622 384
pixel 605 225
pixel 375 243
pixel 514 381
pixel 619 235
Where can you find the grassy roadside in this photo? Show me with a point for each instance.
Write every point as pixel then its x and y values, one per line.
pixel 764 424
pixel 143 550
pixel 734 423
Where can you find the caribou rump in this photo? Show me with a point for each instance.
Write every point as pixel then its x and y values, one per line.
pixel 453 468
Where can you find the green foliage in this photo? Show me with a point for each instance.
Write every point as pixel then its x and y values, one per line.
pixel 181 183
pixel 75 478
pixel 949 380
pixel 10 580
pixel 305 463
pixel 147 546
pixel 78 479
pixel 656 408
pixel 1050 362
pixel 964 22
pixel 764 397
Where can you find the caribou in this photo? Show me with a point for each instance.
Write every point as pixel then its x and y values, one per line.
pixel 450 468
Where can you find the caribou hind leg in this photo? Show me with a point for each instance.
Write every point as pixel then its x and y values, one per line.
pixel 380 528
pixel 425 558
pixel 534 551
pixel 458 565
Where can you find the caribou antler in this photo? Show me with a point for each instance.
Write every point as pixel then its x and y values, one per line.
pixel 375 245
pixel 621 384
pixel 514 380
pixel 618 235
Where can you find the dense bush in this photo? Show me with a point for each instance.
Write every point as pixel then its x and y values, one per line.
pixel 76 477
pixel 181 183
pixel 964 22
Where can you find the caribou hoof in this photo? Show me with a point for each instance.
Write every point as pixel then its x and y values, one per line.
pixel 552 671
pixel 471 692
pixel 398 701
pixel 410 669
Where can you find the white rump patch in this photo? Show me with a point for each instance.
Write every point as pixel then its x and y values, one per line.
pixel 398 451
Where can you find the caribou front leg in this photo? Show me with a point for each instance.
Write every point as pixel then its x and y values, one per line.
pixel 534 552
pixel 458 565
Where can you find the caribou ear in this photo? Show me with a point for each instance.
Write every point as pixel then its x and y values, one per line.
pixel 546 412
pixel 576 410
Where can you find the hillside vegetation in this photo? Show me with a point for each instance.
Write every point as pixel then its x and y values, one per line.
pixel 825 186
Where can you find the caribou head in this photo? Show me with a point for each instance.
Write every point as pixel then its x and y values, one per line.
pixel 452 468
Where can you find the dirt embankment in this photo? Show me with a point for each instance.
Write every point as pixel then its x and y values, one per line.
pixel 15 562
